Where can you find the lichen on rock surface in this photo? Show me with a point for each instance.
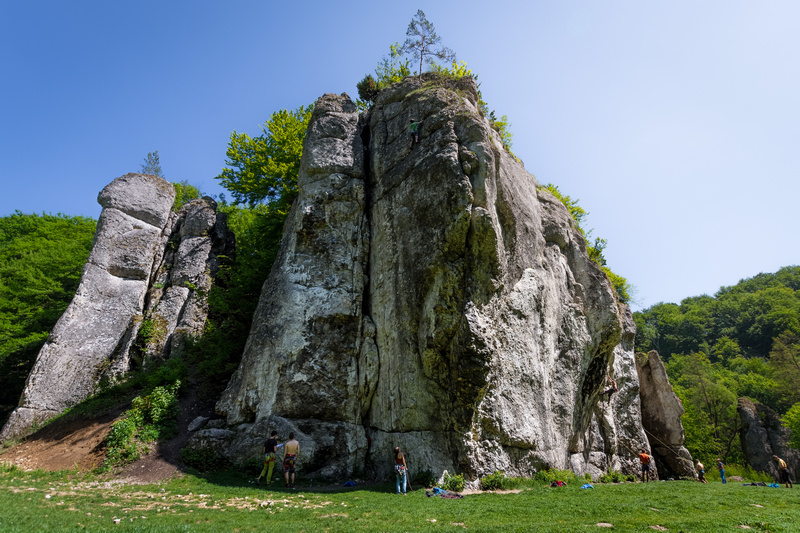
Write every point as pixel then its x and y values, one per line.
pixel 431 296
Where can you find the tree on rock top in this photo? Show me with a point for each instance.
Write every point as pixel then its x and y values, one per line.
pixel 422 40
pixel 152 165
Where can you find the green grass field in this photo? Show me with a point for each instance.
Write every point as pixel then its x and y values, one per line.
pixel 52 502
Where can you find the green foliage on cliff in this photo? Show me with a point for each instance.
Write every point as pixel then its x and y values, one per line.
pixel 391 69
pixel 151 418
pixel 422 42
pixel 595 250
pixel 265 168
pixel 41 259
pixel 185 192
pixel 152 165
pixel 792 421
pixel 742 342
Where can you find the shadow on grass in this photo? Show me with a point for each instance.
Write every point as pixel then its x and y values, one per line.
pixel 236 479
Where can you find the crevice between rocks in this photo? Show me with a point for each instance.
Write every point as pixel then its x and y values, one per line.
pixel 366 300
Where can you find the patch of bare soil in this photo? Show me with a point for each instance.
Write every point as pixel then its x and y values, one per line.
pixel 77 444
pixel 63 445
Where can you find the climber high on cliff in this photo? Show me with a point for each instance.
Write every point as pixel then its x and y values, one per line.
pixel 611 390
pixel 413 129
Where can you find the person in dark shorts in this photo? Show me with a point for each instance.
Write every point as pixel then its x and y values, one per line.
pixel 783 471
pixel 413 129
pixel 291 453
pixel 270 447
pixel 611 390
pixel 701 472
pixel 646 461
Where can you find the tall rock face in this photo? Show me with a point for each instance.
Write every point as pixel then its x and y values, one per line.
pixel 762 436
pixel 148 270
pixel 661 417
pixel 431 297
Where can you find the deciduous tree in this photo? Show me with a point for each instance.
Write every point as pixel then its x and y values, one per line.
pixel 265 168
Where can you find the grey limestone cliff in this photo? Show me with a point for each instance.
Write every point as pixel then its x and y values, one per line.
pixel 762 435
pixel 661 417
pixel 431 297
pixel 148 265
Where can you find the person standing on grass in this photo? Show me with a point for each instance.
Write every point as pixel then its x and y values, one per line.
pixel 701 472
pixel 270 447
pixel 783 470
pixel 646 461
pixel 400 470
pixel 291 453
pixel 721 468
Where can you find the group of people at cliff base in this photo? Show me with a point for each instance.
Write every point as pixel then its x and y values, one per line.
pixel 783 471
pixel 647 460
pixel 291 454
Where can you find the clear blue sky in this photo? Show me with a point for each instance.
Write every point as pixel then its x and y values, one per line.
pixel 676 123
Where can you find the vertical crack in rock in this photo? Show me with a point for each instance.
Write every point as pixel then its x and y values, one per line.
pixel 369 357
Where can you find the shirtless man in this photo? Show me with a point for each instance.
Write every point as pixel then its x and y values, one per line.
pixel 783 470
pixel 701 472
pixel 291 453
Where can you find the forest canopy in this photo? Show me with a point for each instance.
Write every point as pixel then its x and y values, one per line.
pixel 742 342
pixel 41 259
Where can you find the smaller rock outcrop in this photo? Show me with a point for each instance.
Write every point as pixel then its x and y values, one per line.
pixel 763 436
pixel 661 418
pixel 142 292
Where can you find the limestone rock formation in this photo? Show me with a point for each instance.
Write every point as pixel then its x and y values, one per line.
pixel 762 436
pixel 148 266
pixel 431 297
pixel 661 418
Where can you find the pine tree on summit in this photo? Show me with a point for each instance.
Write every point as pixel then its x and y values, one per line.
pixel 152 165
pixel 422 39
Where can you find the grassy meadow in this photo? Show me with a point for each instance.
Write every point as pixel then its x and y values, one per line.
pixel 64 501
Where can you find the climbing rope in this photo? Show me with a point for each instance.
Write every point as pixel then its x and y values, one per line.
pixel 663 444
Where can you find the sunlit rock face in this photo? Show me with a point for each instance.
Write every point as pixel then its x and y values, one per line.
pixel 432 297
pixel 661 418
pixel 149 266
